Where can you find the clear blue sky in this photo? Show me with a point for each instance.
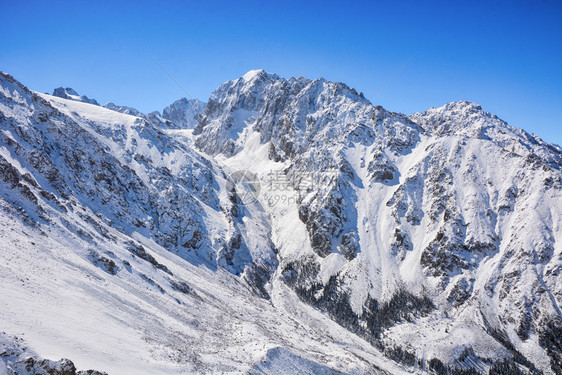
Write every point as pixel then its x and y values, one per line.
pixel 506 56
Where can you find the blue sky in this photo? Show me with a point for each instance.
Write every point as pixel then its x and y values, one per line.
pixel 506 56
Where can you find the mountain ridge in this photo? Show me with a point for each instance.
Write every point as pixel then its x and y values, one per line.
pixel 317 126
pixel 402 234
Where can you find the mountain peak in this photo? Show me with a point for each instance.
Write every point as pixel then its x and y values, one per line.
pixel 462 105
pixel 71 94
pixel 253 75
pixel 184 112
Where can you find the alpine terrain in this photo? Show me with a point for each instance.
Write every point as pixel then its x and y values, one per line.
pixel 285 226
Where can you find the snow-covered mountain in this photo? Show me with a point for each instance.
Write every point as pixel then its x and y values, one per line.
pixel 297 229
pixel 184 113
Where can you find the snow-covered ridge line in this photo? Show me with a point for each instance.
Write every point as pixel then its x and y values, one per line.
pixel 182 114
